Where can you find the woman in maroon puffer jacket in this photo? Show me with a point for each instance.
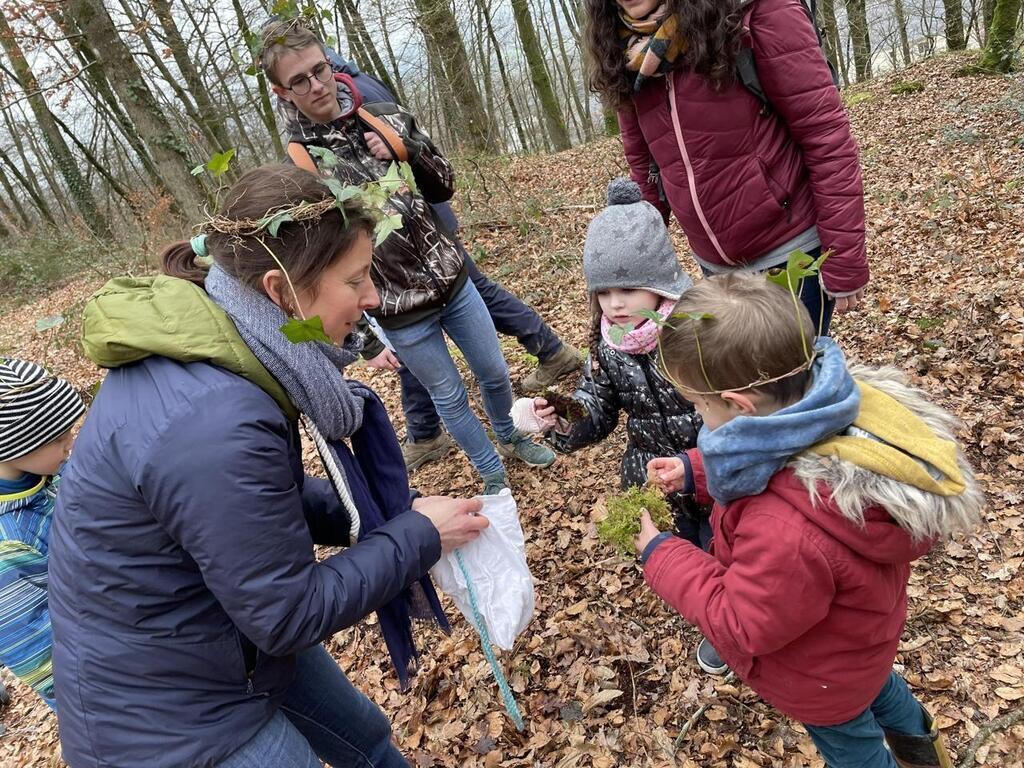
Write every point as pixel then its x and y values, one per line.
pixel 749 181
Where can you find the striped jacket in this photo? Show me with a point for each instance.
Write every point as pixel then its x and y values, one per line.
pixel 25 636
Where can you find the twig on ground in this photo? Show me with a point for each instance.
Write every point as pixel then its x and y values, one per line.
pixel 699 713
pixel 1007 720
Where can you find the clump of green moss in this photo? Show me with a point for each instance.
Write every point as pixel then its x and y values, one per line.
pixel 622 524
pixel 906 86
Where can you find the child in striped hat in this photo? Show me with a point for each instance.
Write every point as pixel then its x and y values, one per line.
pixel 37 412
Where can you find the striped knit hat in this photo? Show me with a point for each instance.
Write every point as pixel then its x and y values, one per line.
pixel 35 407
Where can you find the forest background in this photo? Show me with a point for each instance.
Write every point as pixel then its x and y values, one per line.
pixel 120 120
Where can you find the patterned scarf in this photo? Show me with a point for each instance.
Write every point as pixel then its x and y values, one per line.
pixel 643 338
pixel 651 44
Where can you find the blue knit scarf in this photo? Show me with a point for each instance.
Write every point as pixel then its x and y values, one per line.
pixel 742 455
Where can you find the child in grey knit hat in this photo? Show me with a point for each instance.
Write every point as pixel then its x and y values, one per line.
pixel 632 272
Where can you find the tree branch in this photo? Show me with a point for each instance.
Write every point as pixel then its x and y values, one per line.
pixel 1007 720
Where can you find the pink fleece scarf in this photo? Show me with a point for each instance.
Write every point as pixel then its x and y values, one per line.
pixel 643 338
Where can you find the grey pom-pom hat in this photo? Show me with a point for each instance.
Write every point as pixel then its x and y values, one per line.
pixel 628 246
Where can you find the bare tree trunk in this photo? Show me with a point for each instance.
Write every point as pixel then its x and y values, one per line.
pixel 392 59
pixel 901 24
pixel 368 44
pixel 15 199
pixel 55 144
pixel 833 44
pixel 266 110
pixel 570 79
pixel 209 116
pixel 539 75
pixel 30 188
pixel 166 148
pixel 228 102
pixel 856 12
pixel 1001 45
pixel 955 40
pixel 485 11
pixel 437 20
pixel 106 99
pixel 95 162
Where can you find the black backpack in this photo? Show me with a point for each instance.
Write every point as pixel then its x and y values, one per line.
pixel 746 67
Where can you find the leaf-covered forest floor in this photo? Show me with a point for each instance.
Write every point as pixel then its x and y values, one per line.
pixel 605 674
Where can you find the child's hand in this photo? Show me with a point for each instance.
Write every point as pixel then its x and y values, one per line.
pixel 668 473
pixel 648 530
pixel 533 415
pixel 544 412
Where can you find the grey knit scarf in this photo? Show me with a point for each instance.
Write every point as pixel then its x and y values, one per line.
pixel 310 372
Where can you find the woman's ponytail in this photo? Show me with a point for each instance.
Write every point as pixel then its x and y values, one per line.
pixel 179 260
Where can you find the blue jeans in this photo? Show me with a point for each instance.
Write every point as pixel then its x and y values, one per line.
pixel 322 718
pixel 511 317
pixel 859 743
pixel 811 295
pixel 423 349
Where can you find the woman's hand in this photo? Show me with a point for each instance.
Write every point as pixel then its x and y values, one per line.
pixel 668 473
pixel 385 360
pixel 845 303
pixel 457 521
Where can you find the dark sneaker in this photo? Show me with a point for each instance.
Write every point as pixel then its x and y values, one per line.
pixel 709 660
pixel 416 454
pixel 527 451
pixel 564 363
pixel 495 484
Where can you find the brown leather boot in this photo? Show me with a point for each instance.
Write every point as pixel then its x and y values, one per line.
pixel 919 751
pixel 566 361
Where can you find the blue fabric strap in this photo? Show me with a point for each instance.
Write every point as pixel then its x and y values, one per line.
pixel 485 642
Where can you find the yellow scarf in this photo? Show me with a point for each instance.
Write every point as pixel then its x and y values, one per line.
pixel 651 44
pixel 901 446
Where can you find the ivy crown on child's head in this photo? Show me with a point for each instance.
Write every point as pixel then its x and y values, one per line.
pixel 739 332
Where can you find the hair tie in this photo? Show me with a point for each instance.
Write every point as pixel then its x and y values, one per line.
pixel 198 244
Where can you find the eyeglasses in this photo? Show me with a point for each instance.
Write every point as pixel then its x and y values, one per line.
pixel 303 84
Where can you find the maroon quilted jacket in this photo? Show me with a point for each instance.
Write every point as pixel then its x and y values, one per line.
pixel 740 182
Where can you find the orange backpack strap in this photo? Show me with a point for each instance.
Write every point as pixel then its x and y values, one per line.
pixel 387 133
pixel 301 157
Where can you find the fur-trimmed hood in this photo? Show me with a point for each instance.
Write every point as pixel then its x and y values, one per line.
pixel 860 495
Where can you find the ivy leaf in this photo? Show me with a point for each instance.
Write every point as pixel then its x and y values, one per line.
pixel 798 266
pixel 392 181
pixel 618 332
pixel 285 8
pixel 274 224
pixel 328 160
pixel 198 169
pixel 218 164
pixel 340 191
pixel 651 315
pixel 386 226
pixel 408 176
pixel 46 323
pixel 301 331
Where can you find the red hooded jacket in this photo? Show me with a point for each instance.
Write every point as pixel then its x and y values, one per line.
pixel 805 607
pixel 742 183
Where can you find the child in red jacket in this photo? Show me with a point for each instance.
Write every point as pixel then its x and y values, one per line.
pixel 828 482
